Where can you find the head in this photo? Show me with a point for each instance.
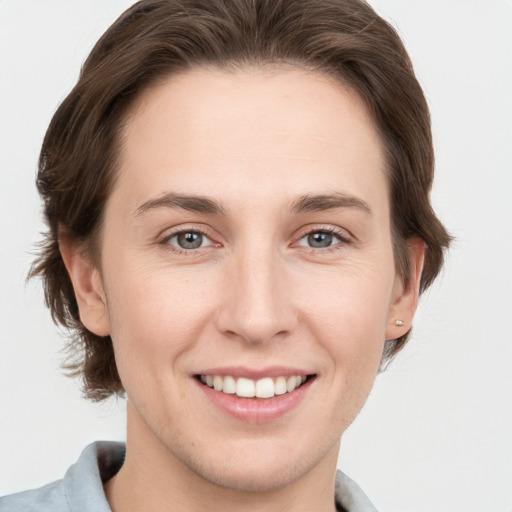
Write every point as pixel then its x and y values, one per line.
pixel 160 49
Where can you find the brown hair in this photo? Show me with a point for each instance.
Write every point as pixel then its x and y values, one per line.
pixel 156 38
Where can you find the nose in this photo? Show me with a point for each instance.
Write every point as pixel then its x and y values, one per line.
pixel 256 305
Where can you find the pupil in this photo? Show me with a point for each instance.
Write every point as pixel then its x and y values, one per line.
pixel 320 239
pixel 190 240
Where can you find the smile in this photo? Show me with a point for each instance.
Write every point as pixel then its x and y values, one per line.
pixel 242 387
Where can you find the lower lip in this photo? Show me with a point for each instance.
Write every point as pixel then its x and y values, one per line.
pixel 256 410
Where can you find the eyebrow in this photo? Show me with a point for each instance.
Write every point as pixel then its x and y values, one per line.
pixel 185 202
pixel 322 202
pixel 304 204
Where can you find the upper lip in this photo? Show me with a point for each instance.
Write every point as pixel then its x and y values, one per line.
pixel 255 373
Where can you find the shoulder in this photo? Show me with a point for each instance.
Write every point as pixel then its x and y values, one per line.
pixel 51 497
pixel 81 489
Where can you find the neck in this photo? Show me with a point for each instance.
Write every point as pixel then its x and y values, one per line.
pixel 152 478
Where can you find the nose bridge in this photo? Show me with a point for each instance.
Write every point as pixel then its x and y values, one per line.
pixel 257 306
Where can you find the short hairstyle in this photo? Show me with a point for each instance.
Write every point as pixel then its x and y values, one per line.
pixel 155 39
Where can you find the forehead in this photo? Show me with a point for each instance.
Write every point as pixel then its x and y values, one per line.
pixel 254 127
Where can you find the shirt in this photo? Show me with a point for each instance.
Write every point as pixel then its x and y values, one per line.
pixel 81 489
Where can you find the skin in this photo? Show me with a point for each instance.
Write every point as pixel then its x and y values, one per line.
pixel 255 141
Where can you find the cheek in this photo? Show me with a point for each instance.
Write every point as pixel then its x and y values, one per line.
pixel 155 316
pixel 350 303
pixel 347 314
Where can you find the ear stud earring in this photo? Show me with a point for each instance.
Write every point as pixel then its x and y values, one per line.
pixel 399 322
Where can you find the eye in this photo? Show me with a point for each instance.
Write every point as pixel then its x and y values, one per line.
pixel 321 239
pixel 189 240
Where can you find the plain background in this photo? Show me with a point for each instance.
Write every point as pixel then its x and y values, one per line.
pixel 436 432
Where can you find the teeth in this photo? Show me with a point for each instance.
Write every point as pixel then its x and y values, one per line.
pixel 280 386
pixel 245 387
pixel 291 383
pixel 218 383
pixel 229 385
pixel 248 388
pixel 265 388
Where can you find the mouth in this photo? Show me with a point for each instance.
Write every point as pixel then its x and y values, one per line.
pixel 255 395
pixel 243 387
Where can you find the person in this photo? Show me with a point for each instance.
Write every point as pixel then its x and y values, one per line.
pixel 237 197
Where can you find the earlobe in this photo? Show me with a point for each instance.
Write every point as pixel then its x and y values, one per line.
pixel 405 298
pixel 88 288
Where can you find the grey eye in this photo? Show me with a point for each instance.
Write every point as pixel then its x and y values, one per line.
pixel 321 239
pixel 189 240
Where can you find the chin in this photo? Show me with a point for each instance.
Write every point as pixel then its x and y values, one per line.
pixel 253 478
pixel 255 468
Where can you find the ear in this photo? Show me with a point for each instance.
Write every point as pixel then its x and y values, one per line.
pixel 405 298
pixel 88 288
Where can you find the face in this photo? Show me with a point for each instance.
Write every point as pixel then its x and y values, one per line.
pixel 246 250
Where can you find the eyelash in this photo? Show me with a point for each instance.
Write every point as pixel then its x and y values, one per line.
pixel 341 235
